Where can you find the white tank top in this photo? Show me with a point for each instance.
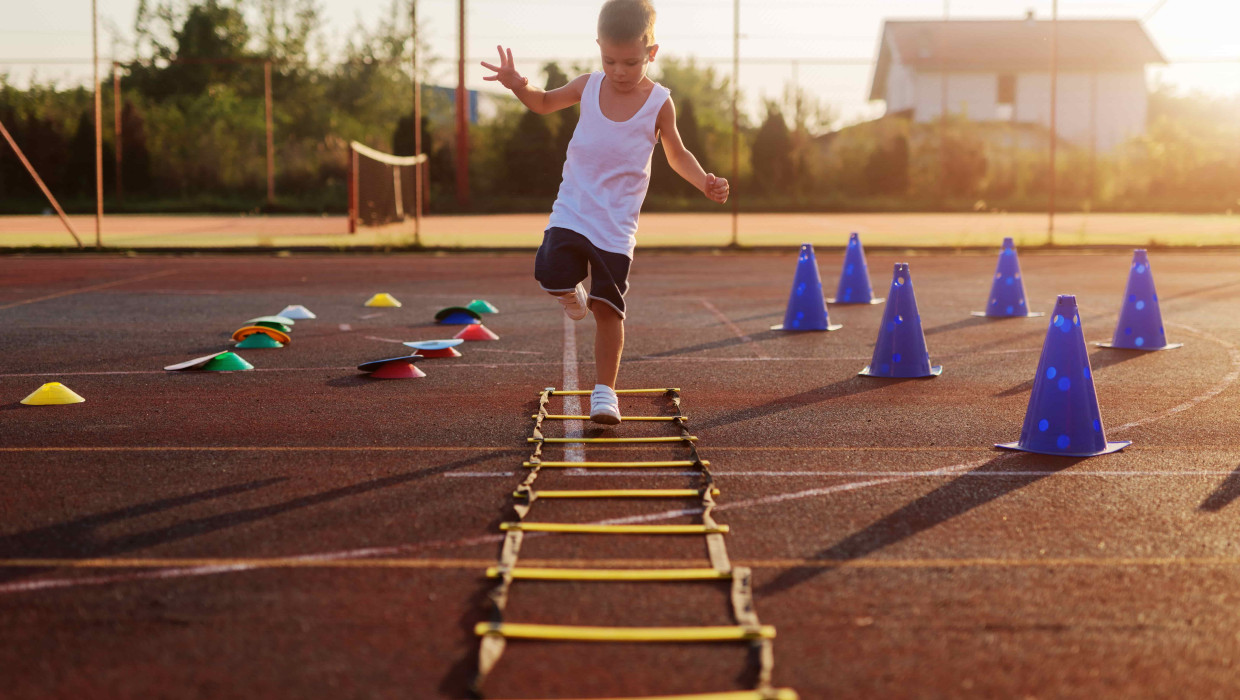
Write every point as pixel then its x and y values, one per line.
pixel 607 171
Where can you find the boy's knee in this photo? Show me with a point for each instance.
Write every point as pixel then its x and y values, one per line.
pixel 604 312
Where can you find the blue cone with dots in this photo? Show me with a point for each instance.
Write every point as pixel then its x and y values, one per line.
pixel 807 310
pixel 1140 324
pixel 854 287
pixel 1007 290
pixel 1063 417
pixel 901 348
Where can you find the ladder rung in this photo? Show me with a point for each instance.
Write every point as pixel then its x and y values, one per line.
pixel 669 463
pixel 620 493
pixel 626 418
pixel 587 392
pixel 687 438
pixel 584 529
pixel 544 574
pixel 514 630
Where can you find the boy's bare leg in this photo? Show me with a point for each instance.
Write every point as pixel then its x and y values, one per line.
pixel 608 342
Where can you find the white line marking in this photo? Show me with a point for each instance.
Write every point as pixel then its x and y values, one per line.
pixel 382 340
pixel 1233 354
pixel 376 314
pixel 511 352
pixel 105 285
pixel 734 328
pixel 572 404
pixel 477 475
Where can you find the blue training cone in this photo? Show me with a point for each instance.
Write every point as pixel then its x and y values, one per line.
pixel 1140 324
pixel 1063 417
pixel 807 310
pixel 1007 291
pixel 901 348
pixel 854 287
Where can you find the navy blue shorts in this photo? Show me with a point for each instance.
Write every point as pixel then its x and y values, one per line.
pixel 562 262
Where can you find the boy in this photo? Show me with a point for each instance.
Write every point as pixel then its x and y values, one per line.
pixel 594 218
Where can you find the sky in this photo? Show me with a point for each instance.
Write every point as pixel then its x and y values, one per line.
pixel 791 40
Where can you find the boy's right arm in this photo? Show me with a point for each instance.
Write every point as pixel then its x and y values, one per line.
pixel 539 101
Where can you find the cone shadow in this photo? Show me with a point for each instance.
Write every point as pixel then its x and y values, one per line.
pixel 958 325
pixel 1226 492
pixel 1109 357
pixel 848 387
pixel 713 345
pixel 959 496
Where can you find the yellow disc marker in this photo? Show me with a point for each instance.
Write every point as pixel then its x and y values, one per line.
pixel 52 394
pixel 382 299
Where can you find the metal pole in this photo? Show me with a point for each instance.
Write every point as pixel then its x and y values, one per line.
pixel 417 128
pixel 1050 219
pixel 736 130
pixel 39 181
pixel 94 41
pixel 942 61
pixel 116 117
pixel 462 116
pixel 271 145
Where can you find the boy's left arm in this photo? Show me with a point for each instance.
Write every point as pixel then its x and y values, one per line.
pixel 682 161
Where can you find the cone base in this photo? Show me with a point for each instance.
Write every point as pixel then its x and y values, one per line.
pixel 53 394
pixel 1031 314
pixel 935 371
pixel 1113 346
pixel 446 352
pixel 1111 447
pixel 830 327
pixel 871 302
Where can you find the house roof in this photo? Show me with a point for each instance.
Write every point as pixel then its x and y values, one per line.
pixel 1007 46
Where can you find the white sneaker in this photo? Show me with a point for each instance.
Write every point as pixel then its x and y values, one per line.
pixel 575 303
pixel 604 406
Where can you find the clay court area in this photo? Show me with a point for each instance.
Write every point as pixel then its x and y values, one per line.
pixel 301 530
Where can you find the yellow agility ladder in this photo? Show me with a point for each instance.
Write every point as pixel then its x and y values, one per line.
pixel 748 629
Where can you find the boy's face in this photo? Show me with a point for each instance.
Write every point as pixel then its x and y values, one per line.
pixel 625 62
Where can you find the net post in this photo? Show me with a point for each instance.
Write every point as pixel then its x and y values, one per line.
pixel 352 185
pixel 271 148
pixel 116 112
pixel 39 181
pixel 94 64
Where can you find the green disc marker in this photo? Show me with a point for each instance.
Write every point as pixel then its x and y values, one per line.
pixel 482 306
pixel 260 340
pixel 272 324
pixel 227 362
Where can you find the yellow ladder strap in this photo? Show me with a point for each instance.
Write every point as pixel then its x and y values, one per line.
pixel 686 438
pixel 548 574
pixel 583 529
pixel 626 418
pixel 587 392
pixel 620 493
pixel 516 630
pixel 770 694
pixel 665 463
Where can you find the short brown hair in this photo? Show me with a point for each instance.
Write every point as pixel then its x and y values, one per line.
pixel 627 20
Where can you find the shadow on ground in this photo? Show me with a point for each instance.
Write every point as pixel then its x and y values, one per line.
pixel 1226 492
pixel 951 500
pixel 79 538
pixel 847 387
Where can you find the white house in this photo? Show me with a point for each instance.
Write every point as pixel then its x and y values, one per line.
pixel 1000 70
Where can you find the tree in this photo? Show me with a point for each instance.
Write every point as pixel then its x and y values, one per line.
pixel 772 154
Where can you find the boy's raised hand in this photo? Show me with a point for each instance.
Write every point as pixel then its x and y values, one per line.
pixel 716 188
pixel 506 73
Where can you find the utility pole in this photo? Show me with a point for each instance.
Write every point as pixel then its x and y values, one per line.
pixel 417 128
pixel 1050 219
pixel 736 119
pixel 94 42
pixel 462 115
pixel 116 117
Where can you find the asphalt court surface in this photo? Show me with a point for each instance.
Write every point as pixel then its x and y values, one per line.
pixel 301 530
